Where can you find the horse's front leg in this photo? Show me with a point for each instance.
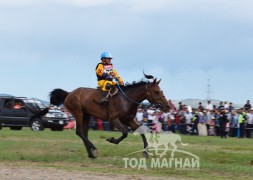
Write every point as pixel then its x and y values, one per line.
pixel 122 128
pixel 145 152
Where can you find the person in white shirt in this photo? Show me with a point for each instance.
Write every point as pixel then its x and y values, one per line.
pixel 249 123
pixel 209 106
pixel 188 117
pixel 139 116
pixel 226 105
pixel 189 108
pixel 151 116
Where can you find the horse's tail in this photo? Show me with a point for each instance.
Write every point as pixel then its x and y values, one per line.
pixel 58 96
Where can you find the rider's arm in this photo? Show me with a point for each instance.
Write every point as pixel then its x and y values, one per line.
pixel 100 71
pixel 116 75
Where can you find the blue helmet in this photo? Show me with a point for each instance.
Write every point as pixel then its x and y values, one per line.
pixel 106 54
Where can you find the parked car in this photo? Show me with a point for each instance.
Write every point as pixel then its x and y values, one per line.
pixel 18 112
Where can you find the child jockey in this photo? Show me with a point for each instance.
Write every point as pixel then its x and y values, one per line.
pixel 106 74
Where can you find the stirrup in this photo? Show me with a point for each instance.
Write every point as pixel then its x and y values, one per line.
pixel 114 90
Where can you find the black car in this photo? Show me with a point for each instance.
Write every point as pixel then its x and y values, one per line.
pixel 18 112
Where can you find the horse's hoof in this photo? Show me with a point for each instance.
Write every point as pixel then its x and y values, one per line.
pixel 110 139
pixel 92 157
pixel 95 151
pixel 145 154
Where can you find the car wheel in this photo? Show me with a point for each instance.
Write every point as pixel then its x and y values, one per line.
pixel 36 125
pixel 15 128
pixel 0 127
pixel 57 129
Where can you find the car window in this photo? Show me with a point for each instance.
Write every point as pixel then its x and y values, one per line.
pixel 8 104
pixel 18 104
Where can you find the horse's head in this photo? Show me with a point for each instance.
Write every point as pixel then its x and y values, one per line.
pixel 155 95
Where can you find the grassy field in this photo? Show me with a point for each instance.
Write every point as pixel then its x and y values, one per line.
pixel 219 158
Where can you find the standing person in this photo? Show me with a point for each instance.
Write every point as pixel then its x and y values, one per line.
pixel 223 121
pixel 182 122
pixel 226 105
pixel 170 121
pixel 156 128
pixel 202 130
pixel 247 106
pixel 180 107
pixel 208 116
pixel 188 118
pixel 234 124
pixel 249 124
pixel 230 107
pixel 195 121
pixel 156 124
pixel 214 108
pixel 241 122
pixel 145 116
pixel 106 74
pixel 151 116
pixel 200 108
pixel 211 130
pixel 221 106
pixel 209 105
pixel 177 121
pixel 165 120
pixel 139 116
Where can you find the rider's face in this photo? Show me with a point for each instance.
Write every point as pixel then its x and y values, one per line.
pixel 107 60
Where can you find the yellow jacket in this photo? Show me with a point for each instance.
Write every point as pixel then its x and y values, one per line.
pixel 107 72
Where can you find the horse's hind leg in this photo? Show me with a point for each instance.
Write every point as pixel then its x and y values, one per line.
pixel 121 127
pixel 82 132
pixel 85 128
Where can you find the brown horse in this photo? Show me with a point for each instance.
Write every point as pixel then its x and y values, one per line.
pixel 121 109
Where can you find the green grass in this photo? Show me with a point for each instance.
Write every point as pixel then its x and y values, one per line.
pixel 219 158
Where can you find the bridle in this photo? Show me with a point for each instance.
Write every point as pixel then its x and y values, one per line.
pixel 148 94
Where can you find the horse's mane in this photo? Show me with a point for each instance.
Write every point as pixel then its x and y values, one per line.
pixel 135 84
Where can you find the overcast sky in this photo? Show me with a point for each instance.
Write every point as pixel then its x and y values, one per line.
pixel 47 44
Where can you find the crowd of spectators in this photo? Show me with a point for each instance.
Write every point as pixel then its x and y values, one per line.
pixel 208 120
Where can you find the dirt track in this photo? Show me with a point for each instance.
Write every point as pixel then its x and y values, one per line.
pixel 11 171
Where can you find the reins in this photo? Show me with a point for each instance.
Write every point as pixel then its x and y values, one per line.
pixel 147 93
pixel 126 95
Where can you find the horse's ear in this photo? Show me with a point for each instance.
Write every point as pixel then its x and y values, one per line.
pixel 154 81
pixel 159 81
